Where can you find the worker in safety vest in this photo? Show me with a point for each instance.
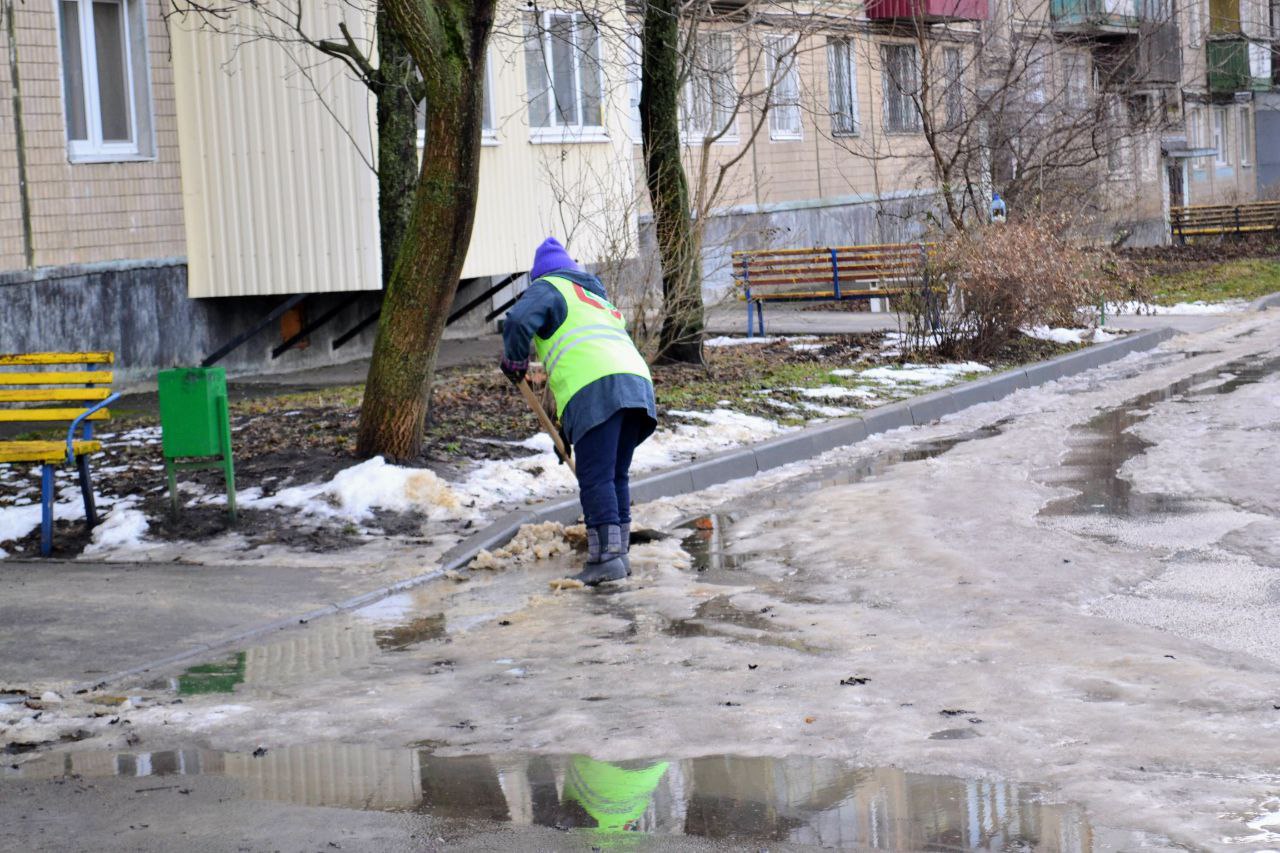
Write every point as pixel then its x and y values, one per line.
pixel 604 395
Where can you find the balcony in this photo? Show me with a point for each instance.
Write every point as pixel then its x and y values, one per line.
pixel 1095 16
pixel 928 10
pixel 1235 65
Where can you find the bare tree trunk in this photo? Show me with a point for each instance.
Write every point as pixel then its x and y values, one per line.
pixel 682 323
pixel 394 87
pixel 446 39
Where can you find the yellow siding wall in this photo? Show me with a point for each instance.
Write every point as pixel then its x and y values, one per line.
pixel 278 193
pixel 583 193
pixel 85 212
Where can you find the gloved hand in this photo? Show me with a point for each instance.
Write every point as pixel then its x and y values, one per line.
pixel 568 448
pixel 515 370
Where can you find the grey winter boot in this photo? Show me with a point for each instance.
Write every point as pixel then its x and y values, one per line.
pixel 604 556
pixel 626 546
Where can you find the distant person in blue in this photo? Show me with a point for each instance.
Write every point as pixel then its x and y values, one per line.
pixel 603 391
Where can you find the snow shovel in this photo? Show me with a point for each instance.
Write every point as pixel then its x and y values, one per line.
pixel 547 425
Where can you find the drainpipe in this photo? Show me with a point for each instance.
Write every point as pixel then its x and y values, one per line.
pixel 24 196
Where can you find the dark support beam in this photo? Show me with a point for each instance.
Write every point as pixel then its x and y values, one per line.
pixel 474 303
pixel 357 329
pixel 503 307
pixel 229 347
pixel 313 325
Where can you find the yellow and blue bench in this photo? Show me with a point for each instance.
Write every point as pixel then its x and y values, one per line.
pixel 1204 220
pixel 834 273
pixel 72 387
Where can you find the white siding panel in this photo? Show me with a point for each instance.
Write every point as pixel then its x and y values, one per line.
pixel 277 192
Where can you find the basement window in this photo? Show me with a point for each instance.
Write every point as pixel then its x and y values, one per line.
pixel 105 89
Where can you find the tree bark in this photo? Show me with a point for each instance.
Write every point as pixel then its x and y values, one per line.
pixel 446 39
pixel 397 109
pixel 678 246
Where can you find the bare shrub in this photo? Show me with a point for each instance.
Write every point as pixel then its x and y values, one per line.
pixel 1004 278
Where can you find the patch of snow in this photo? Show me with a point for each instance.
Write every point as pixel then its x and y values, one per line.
pixel 355 492
pixel 1182 308
pixel 827 411
pixel 836 392
pixel 782 405
pixel 727 341
pixel 927 375
pixel 807 347
pixel 844 371
pixel 1069 336
pixel 19 520
pixel 124 527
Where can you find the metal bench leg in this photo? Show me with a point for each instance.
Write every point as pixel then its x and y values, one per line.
pixel 46 511
pixel 760 317
pixel 229 473
pixel 749 319
pixel 86 489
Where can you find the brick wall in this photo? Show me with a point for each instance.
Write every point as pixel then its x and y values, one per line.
pixel 86 212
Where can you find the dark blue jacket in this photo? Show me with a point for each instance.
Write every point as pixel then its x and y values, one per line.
pixel 540 311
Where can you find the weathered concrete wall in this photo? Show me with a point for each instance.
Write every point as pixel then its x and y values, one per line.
pixel 142 313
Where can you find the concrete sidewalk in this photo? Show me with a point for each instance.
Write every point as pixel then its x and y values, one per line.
pixel 75 622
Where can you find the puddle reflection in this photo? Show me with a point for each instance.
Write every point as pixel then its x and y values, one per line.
pixel 796 800
pixel 1105 443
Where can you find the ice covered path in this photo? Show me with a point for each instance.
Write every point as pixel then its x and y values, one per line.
pixel 1076 588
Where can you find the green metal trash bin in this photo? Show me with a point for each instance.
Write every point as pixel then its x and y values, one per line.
pixel 195 424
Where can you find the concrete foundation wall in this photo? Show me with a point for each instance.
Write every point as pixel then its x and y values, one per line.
pixel 142 313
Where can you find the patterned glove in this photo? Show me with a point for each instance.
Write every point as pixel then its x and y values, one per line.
pixel 515 370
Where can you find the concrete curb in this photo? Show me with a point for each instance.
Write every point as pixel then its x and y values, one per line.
pixel 1262 303
pixel 719 468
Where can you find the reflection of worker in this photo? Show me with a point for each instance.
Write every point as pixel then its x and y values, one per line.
pixel 613 796
pixel 604 396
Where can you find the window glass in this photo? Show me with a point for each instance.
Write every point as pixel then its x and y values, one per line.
pixel 842 83
pixel 73 71
pixel 784 82
pixel 901 81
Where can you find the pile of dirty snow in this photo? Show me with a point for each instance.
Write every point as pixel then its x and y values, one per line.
pixel 531 543
pixel 1069 336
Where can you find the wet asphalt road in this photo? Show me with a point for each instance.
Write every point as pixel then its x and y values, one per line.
pixel 1041 624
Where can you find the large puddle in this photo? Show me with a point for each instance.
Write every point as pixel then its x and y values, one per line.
pixel 796 800
pixel 1101 447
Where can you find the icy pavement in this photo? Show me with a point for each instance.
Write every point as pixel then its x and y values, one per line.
pixel 1001 599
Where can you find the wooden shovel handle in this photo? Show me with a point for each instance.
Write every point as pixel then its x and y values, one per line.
pixel 547 425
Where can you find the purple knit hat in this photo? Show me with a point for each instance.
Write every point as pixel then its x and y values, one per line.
pixel 549 257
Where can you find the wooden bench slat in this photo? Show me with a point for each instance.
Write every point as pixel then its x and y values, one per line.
pixel 43 451
pixel 52 414
pixel 51 377
pixel 52 395
pixel 58 358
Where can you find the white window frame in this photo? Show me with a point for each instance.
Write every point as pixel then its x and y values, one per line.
pixel 561 133
pixel 634 70
pixel 848 63
pixel 1075 79
pixel 913 120
pixel 713 82
pixel 1244 127
pixel 779 47
pixel 1220 139
pixel 137 68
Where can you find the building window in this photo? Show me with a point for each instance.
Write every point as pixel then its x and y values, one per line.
pixel 634 53
pixel 952 87
pixel 1075 73
pixel 709 100
pixel 784 87
pixel 901 81
pixel 104 79
pixel 1119 145
pixel 1220 136
pixel 565 77
pixel 842 83
pixel 1245 131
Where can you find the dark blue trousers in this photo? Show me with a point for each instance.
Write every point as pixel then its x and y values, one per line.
pixel 603 458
